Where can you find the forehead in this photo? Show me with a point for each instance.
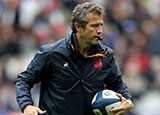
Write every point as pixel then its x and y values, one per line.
pixel 94 18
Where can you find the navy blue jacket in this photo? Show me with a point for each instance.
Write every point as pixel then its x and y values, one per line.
pixel 68 79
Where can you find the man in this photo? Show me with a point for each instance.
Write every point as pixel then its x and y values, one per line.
pixel 73 70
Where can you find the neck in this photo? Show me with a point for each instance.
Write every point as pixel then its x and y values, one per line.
pixel 82 45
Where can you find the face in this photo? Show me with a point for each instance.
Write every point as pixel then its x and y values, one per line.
pixel 93 29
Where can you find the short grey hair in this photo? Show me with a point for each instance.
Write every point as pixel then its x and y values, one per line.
pixel 80 11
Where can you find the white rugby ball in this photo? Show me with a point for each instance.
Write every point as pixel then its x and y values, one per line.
pixel 104 101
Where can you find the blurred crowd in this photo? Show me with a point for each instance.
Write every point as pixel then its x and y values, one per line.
pixel 131 28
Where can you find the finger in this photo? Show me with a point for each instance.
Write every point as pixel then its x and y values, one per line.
pixel 40 111
pixel 120 96
pixel 116 109
pixel 35 113
pixel 118 113
pixel 122 114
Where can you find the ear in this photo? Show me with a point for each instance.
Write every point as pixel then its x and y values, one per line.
pixel 77 27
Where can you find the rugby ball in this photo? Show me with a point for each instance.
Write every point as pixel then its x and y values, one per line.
pixel 104 101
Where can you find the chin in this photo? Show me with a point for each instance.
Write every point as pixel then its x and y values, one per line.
pixel 96 42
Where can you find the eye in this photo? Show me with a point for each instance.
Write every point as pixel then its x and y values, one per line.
pixel 95 25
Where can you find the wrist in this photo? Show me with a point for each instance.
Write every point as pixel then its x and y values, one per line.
pixel 27 106
pixel 130 103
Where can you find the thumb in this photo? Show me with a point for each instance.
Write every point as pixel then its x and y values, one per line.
pixel 40 111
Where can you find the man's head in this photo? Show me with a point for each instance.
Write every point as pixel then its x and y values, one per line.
pixel 80 11
pixel 87 21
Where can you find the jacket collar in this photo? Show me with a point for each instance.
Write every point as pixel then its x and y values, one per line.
pixel 74 42
pixel 96 50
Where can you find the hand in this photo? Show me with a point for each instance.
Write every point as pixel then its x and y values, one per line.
pixel 32 110
pixel 124 107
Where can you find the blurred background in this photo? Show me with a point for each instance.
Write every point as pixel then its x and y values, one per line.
pixel 131 28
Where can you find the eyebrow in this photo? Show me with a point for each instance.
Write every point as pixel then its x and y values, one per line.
pixel 96 24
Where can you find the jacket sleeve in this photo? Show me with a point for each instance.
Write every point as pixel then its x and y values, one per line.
pixel 114 80
pixel 28 78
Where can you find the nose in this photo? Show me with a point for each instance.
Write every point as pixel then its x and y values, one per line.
pixel 99 30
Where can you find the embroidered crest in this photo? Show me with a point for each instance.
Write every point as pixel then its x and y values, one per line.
pixel 66 65
pixel 98 64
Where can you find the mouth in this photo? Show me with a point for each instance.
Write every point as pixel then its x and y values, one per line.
pixel 98 37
